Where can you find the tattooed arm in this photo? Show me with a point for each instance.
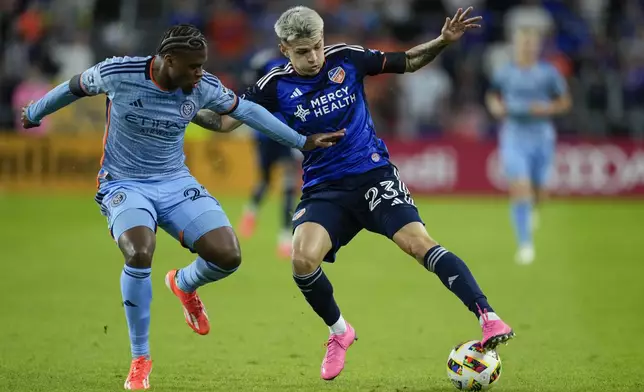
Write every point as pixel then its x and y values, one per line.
pixel 214 122
pixel 208 119
pixel 453 29
pixel 423 54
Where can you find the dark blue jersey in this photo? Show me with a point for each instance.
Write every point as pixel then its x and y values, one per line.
pixel 333 99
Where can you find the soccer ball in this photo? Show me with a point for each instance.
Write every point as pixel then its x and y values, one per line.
pixel 472 368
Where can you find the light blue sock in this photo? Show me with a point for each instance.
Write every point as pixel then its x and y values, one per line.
pixel 136 289
pixel 521 210
pixel 199 273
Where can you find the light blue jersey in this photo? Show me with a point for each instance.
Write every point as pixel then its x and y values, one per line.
pixel 146 125
pixel 527 142
pixel 143 165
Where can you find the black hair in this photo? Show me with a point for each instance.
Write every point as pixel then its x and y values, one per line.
pixel 181 37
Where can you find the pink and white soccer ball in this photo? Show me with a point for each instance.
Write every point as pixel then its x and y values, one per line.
pixel 472 368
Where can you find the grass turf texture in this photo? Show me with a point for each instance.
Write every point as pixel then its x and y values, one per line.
pixel 575 311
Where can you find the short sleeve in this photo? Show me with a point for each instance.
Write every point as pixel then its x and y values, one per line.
pixel 104 77
pixel 100 79
pixel 263 93
pixel 216 96
pixel 377 62
pixel 374 62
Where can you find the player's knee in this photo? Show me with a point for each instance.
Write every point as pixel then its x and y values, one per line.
pixel 414 241
pixel 137 246
pixel 139 257
pixel 226 256
pixel 305 262
pixel 520 190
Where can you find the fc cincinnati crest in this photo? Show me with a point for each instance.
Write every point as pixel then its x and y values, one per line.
pixel 336 75
pixel 117 199
pixel 188 109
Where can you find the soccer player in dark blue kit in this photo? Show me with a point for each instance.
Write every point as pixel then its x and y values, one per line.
pixel 269 154
pixel 352 185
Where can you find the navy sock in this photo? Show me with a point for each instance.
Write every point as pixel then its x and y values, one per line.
pixel 318 292
pixel 136 289
pixel 455 275
pixel 288 208
pixel 258 193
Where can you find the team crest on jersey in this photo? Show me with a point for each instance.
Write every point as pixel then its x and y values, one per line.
pixel 337 75
pixel 375 157
pixel 118 199
pixel 188 109
pixel 298 214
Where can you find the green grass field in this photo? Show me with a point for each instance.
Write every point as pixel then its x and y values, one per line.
pixel 577 311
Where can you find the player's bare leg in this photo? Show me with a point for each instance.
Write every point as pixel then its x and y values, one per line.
pixel 311 242
pixel 137 245
pixel 521 197
pixel 414 240
pixel 219 256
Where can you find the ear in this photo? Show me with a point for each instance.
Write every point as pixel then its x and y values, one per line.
pixel 168 59
pixel 284 50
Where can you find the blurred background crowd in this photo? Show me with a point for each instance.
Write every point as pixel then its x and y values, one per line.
pixel 597 44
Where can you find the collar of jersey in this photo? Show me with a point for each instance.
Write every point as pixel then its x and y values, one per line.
pixel 149 74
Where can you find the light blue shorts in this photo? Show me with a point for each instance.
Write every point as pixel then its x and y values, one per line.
pixel 179 205
pixel 527 161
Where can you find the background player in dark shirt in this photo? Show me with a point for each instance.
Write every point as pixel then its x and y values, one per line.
pixel 352 185
pixel 270 154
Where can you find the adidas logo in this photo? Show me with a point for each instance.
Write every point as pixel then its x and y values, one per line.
pixel 296 93
pixel 396 202
pixel 137 103
pixel 130 304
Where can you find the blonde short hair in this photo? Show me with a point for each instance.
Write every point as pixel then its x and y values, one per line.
pixel 299 22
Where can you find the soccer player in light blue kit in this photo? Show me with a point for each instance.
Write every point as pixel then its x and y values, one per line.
pixel 353 186
pixel 143 181
pixel 525 94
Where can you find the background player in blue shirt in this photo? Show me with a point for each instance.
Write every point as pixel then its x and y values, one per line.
pixel 269 154
pixel 352 185
pixel 524 95
pixel 144 182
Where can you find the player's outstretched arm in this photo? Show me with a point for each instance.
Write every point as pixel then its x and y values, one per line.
pixel 91 82
pixel 56 99
pixel 259 118
pixel 209 120
pixel 453 29
pixel 212 121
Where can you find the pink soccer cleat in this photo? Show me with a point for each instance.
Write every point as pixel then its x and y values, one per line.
pixel 336 352
pixel 494 331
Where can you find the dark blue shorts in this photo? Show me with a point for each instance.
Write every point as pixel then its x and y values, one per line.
pixel 270 152
pixel 377 201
